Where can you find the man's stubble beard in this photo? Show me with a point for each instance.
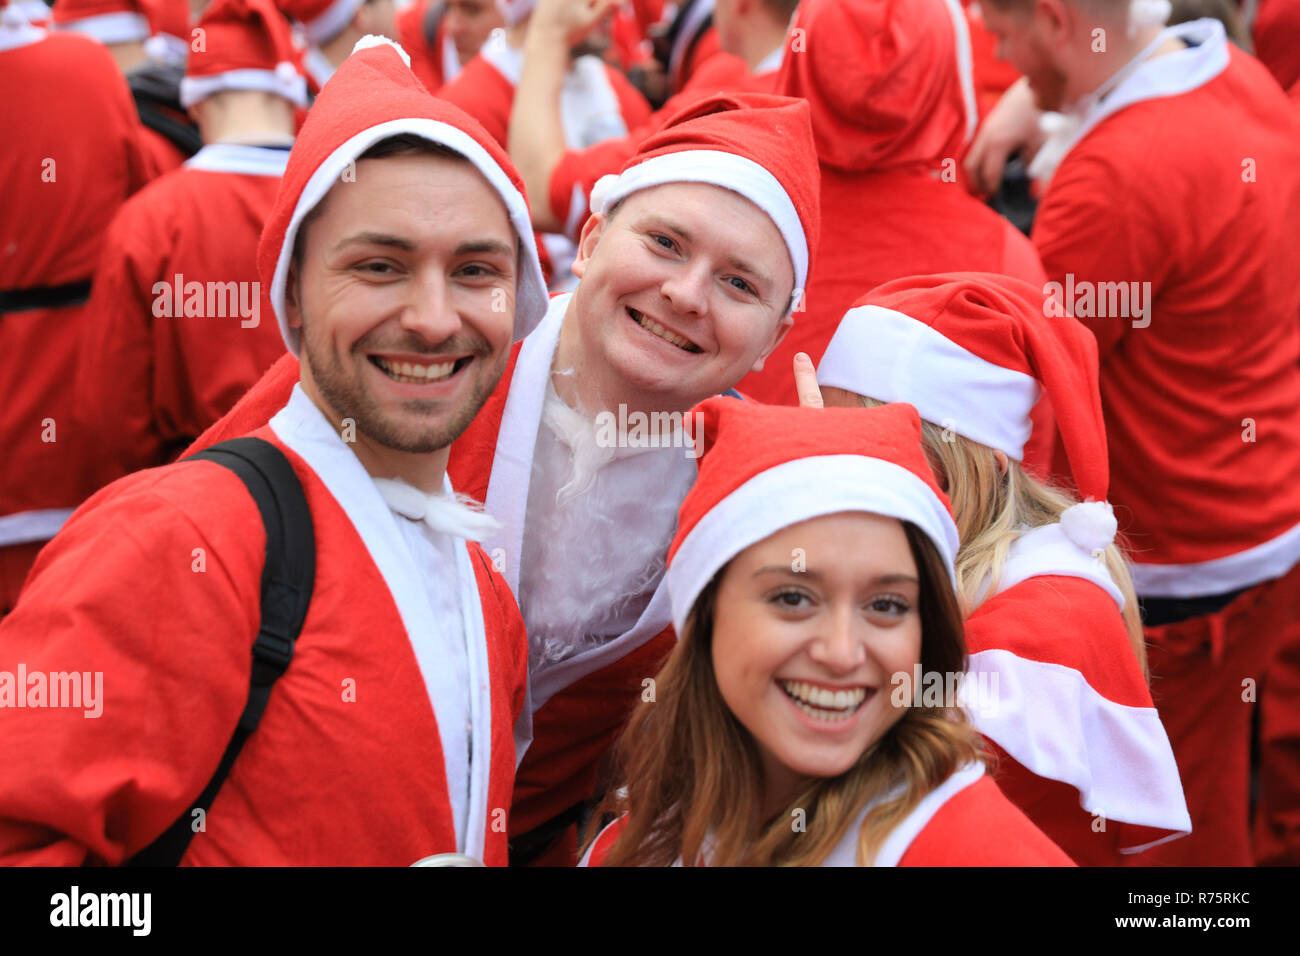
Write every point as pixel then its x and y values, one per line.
pixel 349 398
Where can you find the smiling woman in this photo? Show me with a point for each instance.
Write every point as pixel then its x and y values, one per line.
pixel 806 573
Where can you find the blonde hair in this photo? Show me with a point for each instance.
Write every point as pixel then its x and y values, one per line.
pixel 993 509
pixel 691 776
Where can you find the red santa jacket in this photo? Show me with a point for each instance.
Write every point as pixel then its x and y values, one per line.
pixel 1194 305
pixel 433 62
pixel 72 156
pixel 176 333
pixel 890 137
pixel 965 821
pixel 155 586
pixel 1054 685
pixel 599 101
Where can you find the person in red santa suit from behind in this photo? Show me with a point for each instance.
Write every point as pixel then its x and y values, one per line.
pixel 443 35
pixel 688 271
pixel 72 156
pixel 1194 310
pixel 1057 663
pixel 790 682
pixel 389 736
pixel 177 332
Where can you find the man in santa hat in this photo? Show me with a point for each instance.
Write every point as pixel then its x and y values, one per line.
pixel 689 271
pixel 176 334
pixel 559 174
pixel 1190 291
pixel 72 155
pixel 443 35
pixel 331 28
pixel 398 260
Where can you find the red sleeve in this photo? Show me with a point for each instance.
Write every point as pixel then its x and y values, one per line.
pixel 482 92
pixel 604 842
pixel 153 590
pixel 1078 233
pixel 256 407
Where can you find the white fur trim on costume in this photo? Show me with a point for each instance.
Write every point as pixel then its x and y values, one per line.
pixel 120 27
pixel 1051 720
pixel 450 59
pixel 238 158
pixel 25 527
pixel 1245 569
pixel 1091 525
pixel 332 22
pixel 1049 551
pixel 531 300
pixel 371 40
pixel 889 356
pixel 288 84
pixel 965 65
pixel 719 168
pixel 797 491
pixel 16 30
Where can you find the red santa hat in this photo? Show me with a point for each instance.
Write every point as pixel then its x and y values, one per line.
pixel 890 83
pixel 374 96
pixel 755 144
pixel 247 46
pixel 973 352
pixel 170 22
pixel 321 20
pixel 108 21
pixel 766 467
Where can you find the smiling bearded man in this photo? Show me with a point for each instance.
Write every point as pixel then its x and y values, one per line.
pixel 399 252
pixel 690 269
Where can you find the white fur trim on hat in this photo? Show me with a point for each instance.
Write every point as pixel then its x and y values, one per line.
pixel 371 40
pixel 284 81
pixel 883 354
pixel 166 49
pixel 718 168
pixel 796 491
pixel 120 27
pixel 332 22
pixel 531 300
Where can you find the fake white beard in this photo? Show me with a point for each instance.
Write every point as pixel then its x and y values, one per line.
pixel 596 536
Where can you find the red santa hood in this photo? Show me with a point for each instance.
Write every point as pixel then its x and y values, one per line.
pixel 889 81
pixel 374 96
pixel 247 46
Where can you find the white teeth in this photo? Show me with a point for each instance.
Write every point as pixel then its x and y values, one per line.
pixel 822 703
pixel 650 325
pixel 407 372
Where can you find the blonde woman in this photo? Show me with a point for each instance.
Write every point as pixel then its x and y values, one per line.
pixel 810 579
pixel 1057 658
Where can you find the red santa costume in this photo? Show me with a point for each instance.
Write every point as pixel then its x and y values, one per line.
pixel 422 33
pixel 1274 31
pixel 320 22
pixel 1060 692
pixel 389 737
pixel 177 335
pixel 1195 319
pixel 72 157
pixel 893 109
pixel 763 469
pixel 597 628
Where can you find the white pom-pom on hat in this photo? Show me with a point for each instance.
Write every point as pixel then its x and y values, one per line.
pixel 372 40
pixel 13 17
pixel 600 192
pixel 1148 13
pixel 1090 525
pixel 286 72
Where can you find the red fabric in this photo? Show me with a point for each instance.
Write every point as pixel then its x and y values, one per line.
pixel 889 120
pixel 160 154
pixel 981 827
pixel 481 91
pixel 581 168
pixel 1207 674
pixel 992 76
pixel 68 11
pixel 426 59
pixel 241 35
pixel 1087 635
pixel 15 563
pixel 705 48
pixel 1223 343
pixel 1275 29
pixel 72 156
pixel 305 787
pixel 150 383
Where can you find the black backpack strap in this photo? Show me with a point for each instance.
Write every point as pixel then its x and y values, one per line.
pixel 287 580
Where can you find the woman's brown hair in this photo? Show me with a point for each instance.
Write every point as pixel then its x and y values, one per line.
pixel 690 771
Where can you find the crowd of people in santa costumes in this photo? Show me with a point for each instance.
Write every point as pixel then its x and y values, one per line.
pixel 565 295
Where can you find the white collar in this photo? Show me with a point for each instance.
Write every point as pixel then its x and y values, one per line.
pixel 240 158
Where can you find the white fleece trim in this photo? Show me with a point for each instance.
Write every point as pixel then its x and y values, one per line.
pixel 332 22
pixel 965 65
pixel 1245 569
pixel 891 357
pixel 120 27
pixel 288 84
pixel 24 527
pixel 238 158
pixel 1056 725
pixel 531 300
pixel 19 34
pixel 802 489
pixel 1047 550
